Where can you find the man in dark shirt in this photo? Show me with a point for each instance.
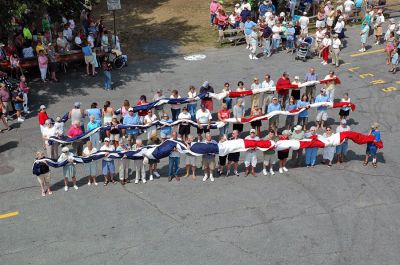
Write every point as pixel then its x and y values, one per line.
pixel 267 34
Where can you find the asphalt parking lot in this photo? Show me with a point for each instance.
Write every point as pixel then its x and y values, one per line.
pixel 347 214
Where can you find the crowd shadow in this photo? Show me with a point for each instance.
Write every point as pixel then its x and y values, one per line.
pixel 7 146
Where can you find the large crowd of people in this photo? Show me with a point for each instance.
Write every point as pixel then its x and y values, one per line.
pixel 274 26
pixel 295 127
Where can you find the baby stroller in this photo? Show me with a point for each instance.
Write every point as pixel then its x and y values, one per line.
pixel 304 50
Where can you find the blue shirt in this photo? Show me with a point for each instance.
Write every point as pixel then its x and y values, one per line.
pixel 322 98
pixel 300 104
pixel 96 113
pixel 290 107
pixel 310 77
pixel 290 33
pixel 358 3
pixel 395 58
pixel 93 125
pixel 131 120
pixel 273 107
pixel 263 9
pixel 87 51
pixel 377 135
pixel 167 130
pixel 248 25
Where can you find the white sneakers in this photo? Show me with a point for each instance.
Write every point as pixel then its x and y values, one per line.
pixel 89 183
pixel 144 181
pixel 76 187
pixel 206 177
pixel 156 174
pixel 236 173
pixel 20 119
pixel 211 177
pixel 281 169
pixel 253 57
pixel 265 172
pixel 362 50
pixel 271 171
pixel 136 181
pixel 151 177
pixel 66 188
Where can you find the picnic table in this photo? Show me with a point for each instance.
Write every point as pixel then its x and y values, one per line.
pixel 67 57
pixel 234 36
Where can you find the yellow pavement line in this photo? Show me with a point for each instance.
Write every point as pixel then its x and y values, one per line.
pixel 10 214
pixel 366 53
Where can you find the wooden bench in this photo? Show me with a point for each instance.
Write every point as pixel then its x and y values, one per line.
pixel 234 36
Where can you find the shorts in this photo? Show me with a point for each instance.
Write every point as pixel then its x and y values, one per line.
pixel 91 168
pixel 251 159
pixel 184 129
pixel 222 160
pixel 302 120
pixel 342 149
pixel 114 137
pixel 89 59
pixel 190 160
pixel 269 158
pixel 18 106
pixel 371 150
pixel 344 113
pixel 283 155
pixel 378 31
pixel 322 115
pixel 107 167
pixel 238 127
pixel 208 163
pixel 200 131
pixel 164 135
pixel 234 157
pixel 44 179
pixel 274 122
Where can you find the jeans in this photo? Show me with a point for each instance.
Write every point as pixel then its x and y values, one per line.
pixel 173 167
pixel 267 47
pixel 224 130
pixel 192 111
pixel 107 80
pixel 212 18
pixel 311 156
pixel 175 113
pixel 276 43
pixel 228 102
pixel 289 44
pixel 95 139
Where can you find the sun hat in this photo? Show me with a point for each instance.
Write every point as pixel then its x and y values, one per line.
pixel 374 125
pixel 298 128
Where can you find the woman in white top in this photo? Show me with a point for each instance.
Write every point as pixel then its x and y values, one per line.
pixel 184 127
pixel 148 120
pixel 175 108
pixel 49 131
pixel 107 114
pixel 192 94
pixel 69 170
pixel 92 166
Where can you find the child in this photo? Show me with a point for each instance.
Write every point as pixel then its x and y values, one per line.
pixel 25 90
pixel 395 61
pixel 345 111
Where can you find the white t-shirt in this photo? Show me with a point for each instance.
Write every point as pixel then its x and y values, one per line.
pixel 184 116
pixel 78 40
pixel 270 85
pixel 107 149
pixel 340 128
pixel 304 21
pixel 275 32
pixel 339 27
pixel 255 86
pixel 203 116
pixel 336 44
pixel 192 94
pixel 326 42
pixel 67 33
pixel 48 132
pixel 175 106
pixel 86 151
pixel 348 5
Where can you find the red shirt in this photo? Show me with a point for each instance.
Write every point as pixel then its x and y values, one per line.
pixel 284 138
pixel 225 114
pixel 141 112
pixel 42 117
pixel 74 131
pixel 283 82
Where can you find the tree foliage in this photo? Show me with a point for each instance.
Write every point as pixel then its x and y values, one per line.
pixel 30 10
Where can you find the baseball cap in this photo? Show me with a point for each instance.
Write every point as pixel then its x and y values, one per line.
pixel 130 109
pixel 106 139
pixel 252 131
pixel 77 104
